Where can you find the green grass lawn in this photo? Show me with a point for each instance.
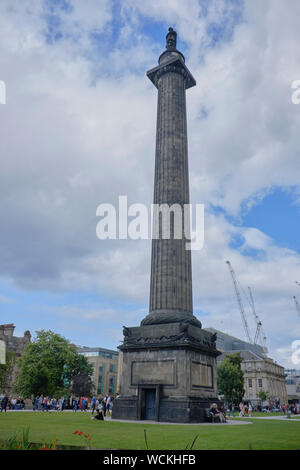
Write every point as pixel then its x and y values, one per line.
pixel 45 427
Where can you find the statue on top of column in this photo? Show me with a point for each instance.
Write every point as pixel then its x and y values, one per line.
pixel 171 40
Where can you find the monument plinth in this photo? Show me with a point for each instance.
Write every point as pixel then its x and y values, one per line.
pixel 169 362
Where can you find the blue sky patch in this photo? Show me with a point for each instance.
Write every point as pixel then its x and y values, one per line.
pixel 278 216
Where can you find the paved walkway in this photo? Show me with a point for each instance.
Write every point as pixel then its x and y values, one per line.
pixel 279 418
pixel 228 423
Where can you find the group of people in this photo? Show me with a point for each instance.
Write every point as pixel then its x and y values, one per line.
pixel 245 410
pixel 46 403
pixel 73 403
pixel 11 404
pixel 103 405
pixel 228 411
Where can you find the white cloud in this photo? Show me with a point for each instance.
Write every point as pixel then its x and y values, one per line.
pixel 7 300
pixel 79 129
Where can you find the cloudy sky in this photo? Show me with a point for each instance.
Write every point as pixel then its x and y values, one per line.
pixel 78 129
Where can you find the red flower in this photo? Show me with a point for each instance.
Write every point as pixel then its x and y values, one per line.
pixel 76 432
pixel 80 433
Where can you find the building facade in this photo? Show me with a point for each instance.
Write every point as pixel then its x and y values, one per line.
pixel 105 363
pixel 292 380
pixel 13 344
pixel 261 373
pixel 2 352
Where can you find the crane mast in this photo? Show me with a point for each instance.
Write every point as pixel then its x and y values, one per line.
pixel 259 334
pixel 257 320
pixel 297 305
pixel 239 299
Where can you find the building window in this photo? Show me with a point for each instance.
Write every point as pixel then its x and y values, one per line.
pixel 105 354
pixel 112 368
pixel 111 389
pixel 100 387
pixel 250 383
pixel 89 354
pixel 260 383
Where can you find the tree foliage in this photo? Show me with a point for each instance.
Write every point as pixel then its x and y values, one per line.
pixel 231 379
pixel 82 385
pixel 48 365
pixel 263 396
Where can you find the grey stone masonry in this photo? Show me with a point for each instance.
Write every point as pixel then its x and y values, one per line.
pixel 168 369
pixel 171 297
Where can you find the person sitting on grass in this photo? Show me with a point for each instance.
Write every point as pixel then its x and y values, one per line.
pixel 98 416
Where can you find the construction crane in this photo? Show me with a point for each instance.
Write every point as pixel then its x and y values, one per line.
pixel 257 320
pixel 239 299
pixel 297 305
pixel 259 334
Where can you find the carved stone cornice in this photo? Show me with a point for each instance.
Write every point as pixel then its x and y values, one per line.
pixel 173 66
pixel 182 339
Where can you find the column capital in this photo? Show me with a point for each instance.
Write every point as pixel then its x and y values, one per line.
pixel 174 65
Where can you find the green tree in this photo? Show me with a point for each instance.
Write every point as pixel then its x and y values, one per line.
pixel 6 370
pixel 82 385
pixel 231 378
pixel 48 365
pixel 263 396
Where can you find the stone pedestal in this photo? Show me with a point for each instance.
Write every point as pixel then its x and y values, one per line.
pixel 168 373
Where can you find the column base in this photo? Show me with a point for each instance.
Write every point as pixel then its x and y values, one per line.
pixel 170 316
pixel 170 410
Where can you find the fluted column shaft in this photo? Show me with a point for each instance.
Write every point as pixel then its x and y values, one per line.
pixel 171 276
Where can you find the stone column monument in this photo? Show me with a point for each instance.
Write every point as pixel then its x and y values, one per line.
pixel 169 361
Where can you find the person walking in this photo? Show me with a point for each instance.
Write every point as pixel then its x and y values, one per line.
pixel 60 404
pixel 250 410
pixel 4 403
pixel 231 410
pixel 83 404
pixel 103 403
pixel 45 404
pixel 36 404
pixel 108 403
pixel 93 404
pixel 13 402
pixel 75 404
pixel 86 405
